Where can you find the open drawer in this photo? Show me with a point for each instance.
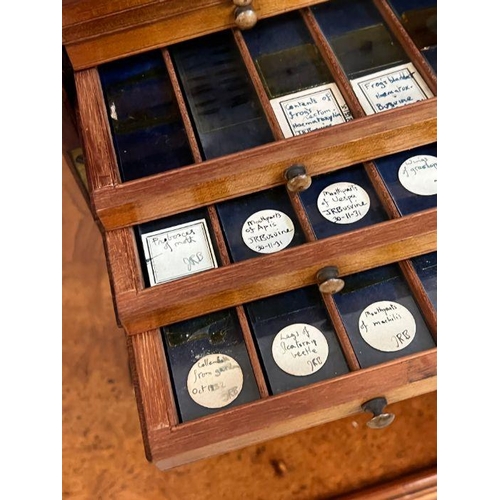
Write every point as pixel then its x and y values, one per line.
pixel 267 201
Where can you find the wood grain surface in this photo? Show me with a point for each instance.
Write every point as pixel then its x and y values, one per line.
pixel 103 452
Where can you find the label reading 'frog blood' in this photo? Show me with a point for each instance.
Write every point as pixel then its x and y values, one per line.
pixel 343 203
pixel 300 349
pixel 178 251
pixel 418 175
pixel 387 326
pixel 215 381
pixel 268 231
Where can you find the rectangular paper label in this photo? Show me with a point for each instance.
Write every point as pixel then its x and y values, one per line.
pixel 311 109
pixel 390 88
pixel 178 251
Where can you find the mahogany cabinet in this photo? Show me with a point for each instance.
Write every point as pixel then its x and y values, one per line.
pixel 268 205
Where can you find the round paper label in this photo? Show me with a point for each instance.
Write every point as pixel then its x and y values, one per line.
pixel 343 203
pixel 418 175
pixel 300 349
pixel 268 231
pixel 387 326
pixel 215 381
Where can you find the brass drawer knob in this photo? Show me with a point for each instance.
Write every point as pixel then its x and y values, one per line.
pixel 380 418
pixel 245 17
pixel 328 280
pixel 297 178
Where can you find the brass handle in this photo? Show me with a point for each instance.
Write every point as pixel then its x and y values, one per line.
pixel 244 15
pixel 328 280
pixel 297 178
pixel 380 418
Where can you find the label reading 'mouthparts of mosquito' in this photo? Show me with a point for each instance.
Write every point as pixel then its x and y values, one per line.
pixel 387 326
pixel 343 203
pixel 300 349
pixel 268 231
pixel 418 175
pixel 215 381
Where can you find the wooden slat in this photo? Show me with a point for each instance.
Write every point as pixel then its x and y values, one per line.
pixel 157 25
pixel 261 168
pixel 298 409
pixel 253 279
pixel 100 159
pixel 420 296
pixel 421 485
pixel 402 36
pixel 152 385
pixel 333 64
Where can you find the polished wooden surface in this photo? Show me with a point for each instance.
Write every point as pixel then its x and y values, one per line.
pixel 103 453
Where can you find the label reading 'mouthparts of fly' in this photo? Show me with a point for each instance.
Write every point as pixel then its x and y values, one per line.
pixel 343 203
pixel 300 349
pixel 387 326
pixel 215 381
pixel 268 231
pixel 418 175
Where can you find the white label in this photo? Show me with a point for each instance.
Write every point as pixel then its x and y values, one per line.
pixel 268 231
pixel 300 349
pixel 215 381
pixel 418 175
pixel 311 109
pixel 387 326
pixel 178 251
pixel 390 88
pixel 343 203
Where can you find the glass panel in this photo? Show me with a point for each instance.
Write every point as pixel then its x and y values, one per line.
pixel 419 17
pixel 381 316
pixel 380 72
pixel 296 340
pixel 260 224
pixel 146 125
pixel 175 247
pixel 342 201
pixel 209 363
pixel 297 80
pixel 426 268
pixel 411 178
pixel 224 106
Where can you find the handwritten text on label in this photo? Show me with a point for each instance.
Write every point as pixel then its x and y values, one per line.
pixel 387 326
pixel 268 231
pixel 418 175
pixel 300 349
pixel 178 251
pixel 309 110
pixel 391 88
pixel 215 381
pixel 343 203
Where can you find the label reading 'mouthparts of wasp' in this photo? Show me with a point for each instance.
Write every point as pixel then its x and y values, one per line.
pixel 387 326
pixel 418 175
pixel 300 349
pixel 268 231
pixel 215 381
pixel 343 203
